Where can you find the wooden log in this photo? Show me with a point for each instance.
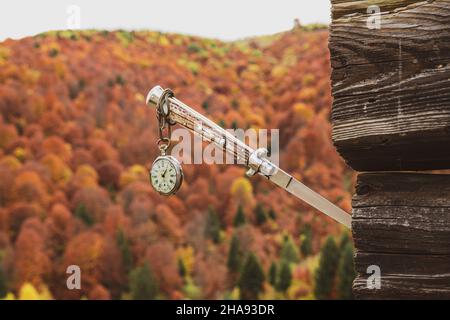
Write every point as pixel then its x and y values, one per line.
pixel 346 7
pixel 391 86
pixel 401 223
pixel 402 287
pixel 404 276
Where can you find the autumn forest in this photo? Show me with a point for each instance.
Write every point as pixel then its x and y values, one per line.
pixel 77 141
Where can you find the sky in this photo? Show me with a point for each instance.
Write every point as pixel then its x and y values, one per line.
pixel 224 19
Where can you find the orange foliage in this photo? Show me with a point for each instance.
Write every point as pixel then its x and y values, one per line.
pixel 99 293
pixel 60 228
pixel 85 177
pixel 161 256
pixel 102 151
pixel 210 282
pixel 85 250
pixel 58 147
pixel 8 134
pixel 60 173
pixel 115 220
pixel 18 213
pixel 109 172
pixel 29 187
pixel 169 223
pixel 31 263
pixel 76 147
pixel 95 200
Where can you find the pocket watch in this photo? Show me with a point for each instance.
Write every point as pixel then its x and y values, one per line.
pixel 166 175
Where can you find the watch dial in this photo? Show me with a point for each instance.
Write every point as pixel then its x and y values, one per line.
pixel 164 176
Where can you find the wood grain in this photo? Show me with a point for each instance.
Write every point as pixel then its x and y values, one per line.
pixel 344 7
pixel 401 287
pixel 391 86
pixel 401 223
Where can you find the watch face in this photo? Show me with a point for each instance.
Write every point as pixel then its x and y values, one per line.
pixel 166 175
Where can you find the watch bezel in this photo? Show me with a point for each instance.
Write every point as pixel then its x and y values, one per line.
pixel 179 174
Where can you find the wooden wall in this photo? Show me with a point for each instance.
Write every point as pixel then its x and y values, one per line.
pixel 391 85
pixel 401 223
pixel 391 113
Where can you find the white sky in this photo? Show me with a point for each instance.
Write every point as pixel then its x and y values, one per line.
pixel 223 19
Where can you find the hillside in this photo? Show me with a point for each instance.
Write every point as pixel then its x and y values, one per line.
pixel 76 142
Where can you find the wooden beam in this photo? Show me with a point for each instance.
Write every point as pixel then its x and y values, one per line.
pixel 341 8
pixel 404 276
pixel 401 223
pixel 391 108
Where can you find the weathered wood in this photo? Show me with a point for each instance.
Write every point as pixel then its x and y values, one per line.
pixel 404 276
pixel 436 266
pixel 410 213
pixel 402 189
pixel 391 86
pixel 402 213
pixel 402 287
pixel 402 229
pixel 401 223
pixel 345 7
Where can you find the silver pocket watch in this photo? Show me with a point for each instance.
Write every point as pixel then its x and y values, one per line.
pixel 166 174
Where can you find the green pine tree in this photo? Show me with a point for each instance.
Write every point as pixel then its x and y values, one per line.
pixel 82 213
pixel 260 214
pixel 239 218
pixel 3 286
pixel 212 227
pixel 181 268
pixel 252 278
pixel 273 274
pixel 124 247
pixel 346 273
pixel 326 271
pixel 306 241
pixel 234 255
pixel 345 239
pixel 289 251
pixel 285 277
pixel 272 214
pixel 143 284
